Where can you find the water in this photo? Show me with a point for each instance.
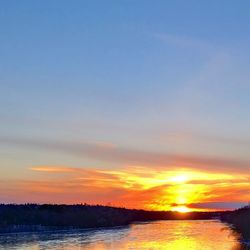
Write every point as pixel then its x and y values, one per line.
pixel 170 235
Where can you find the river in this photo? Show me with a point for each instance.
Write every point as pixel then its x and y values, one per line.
pixel 157 235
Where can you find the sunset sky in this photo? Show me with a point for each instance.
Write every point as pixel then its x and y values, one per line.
pixel 133 103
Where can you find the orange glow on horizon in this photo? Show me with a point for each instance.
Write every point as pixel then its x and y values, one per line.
pixel 177 189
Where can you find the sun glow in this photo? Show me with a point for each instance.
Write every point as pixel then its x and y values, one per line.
pixel 179 179
pixel 181 209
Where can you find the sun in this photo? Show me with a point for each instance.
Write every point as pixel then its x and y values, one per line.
pixel 178 179
pixel 181 209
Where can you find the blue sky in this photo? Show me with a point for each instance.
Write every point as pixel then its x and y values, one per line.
pixel 160 77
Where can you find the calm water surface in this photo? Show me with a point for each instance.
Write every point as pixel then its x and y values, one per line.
pixel 170 235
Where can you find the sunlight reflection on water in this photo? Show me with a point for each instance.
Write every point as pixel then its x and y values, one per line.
pixel 170 235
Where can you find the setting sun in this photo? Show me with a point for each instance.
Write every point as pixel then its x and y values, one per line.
pixel 181 209
pixel 179 179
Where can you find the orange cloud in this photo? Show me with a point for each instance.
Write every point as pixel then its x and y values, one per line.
pixel 56 169
pixel 133 187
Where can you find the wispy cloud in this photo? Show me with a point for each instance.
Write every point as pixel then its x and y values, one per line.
pixel 179 136
pixel 54 169
pixel 127 156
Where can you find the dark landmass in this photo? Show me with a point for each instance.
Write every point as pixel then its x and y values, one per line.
pixel 240 221
pixel 35 218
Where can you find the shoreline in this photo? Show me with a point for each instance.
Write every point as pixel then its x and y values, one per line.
pixel 75 230
pixel 239 221
pixel 40 218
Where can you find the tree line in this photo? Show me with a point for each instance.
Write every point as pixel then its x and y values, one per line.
pixel 36 217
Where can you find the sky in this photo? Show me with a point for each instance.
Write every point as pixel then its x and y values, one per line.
pixel 139 104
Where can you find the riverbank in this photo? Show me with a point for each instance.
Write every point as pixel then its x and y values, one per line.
pixel 240 222
pixel 37 218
